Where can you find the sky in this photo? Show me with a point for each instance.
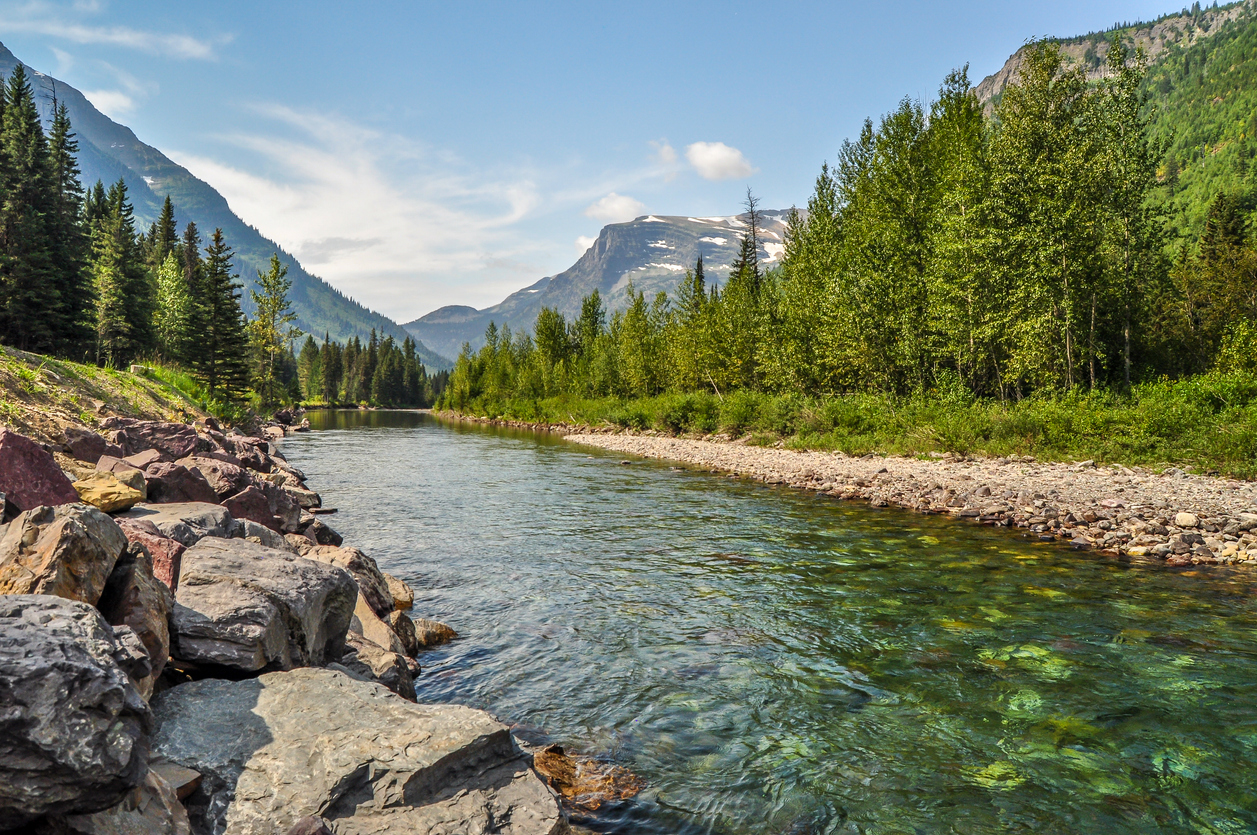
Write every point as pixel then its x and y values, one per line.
pixel 421 154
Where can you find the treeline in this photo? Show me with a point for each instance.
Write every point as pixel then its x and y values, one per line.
pixel 943 252
pixel 77 280
pixel 380 374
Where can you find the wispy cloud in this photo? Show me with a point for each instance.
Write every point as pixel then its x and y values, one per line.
pixel 65 22
pixel 389 221
pixel 583 243
pixel 718 161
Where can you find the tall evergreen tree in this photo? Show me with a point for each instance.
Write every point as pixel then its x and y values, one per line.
pixel 219 354
pixel 29 286
pixel 69 243
pixel 271 330
pixel 174 311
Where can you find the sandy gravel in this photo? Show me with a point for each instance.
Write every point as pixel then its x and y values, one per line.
pixel 1173 516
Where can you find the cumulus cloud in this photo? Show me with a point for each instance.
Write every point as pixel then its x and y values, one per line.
pixel 583 243
pixel 400 226
pixel 615 208
pixel 718 161
pixel 56 21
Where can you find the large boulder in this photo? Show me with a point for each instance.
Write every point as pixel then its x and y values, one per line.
pixel 30 476
pixel 250 608
pixel 186 522
pixel 307 499
pixel 321 533
pixel 311 742
pixel 172 440
pixel 369 625
pixel 250 503
pixel 283 507
pixel 151 808
pixel 404 628
pixel 73 728
pixel 263 535
pixel 370 579
pixel 166 554
pixel 134 597
pixel 68 551
pixel 107 492
pixel 224 479
pixel 174 483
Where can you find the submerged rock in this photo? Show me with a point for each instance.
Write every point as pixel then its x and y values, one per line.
pixel 73 728
pixel 248 607
pixel 432 633
pixel 318 743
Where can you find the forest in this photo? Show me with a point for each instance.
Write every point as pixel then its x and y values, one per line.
pixel 944 256
pixel 78 281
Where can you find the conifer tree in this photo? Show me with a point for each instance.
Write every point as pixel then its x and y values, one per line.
pixel 309 368
pixel 28 283
pixel 163 237
pixel 272 328
pixel 69 244
pixel 219 354
pixel 332 363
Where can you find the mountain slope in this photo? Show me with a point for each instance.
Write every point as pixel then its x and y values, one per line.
pixel 109 151
pixel 651 252
pixel 1202 88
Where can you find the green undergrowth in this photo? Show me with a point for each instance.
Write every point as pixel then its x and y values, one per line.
pixel 1207 422
pixel 196 392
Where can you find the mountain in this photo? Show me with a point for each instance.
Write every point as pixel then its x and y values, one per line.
pixel 650 252
pixel 1202 88
pixel 109 151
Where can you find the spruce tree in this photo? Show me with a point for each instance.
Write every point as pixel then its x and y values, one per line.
pixel 163 237
pixel 69 243
pixel 28 282
pixel 113 327
pixel 174 310
pixel 139 285
pixel 219 353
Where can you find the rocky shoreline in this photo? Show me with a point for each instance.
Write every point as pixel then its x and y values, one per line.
pixel 186 646
pixel 1171 517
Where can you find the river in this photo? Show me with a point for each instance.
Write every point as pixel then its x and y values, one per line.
pixel 770 661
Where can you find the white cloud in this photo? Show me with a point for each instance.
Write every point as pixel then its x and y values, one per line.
pixel 389 222
pixel 55 21
pixel 583 243
pixel 665 153
pixel 718 161
pixel 113 103
pixel 615 208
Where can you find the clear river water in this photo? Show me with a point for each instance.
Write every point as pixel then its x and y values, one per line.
pixel 771 661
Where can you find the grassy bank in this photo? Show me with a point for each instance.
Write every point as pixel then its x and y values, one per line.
pixel 39 395
pixel 1207 422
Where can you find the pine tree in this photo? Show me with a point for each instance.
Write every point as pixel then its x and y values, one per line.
pixel 114 344
pixel 69 244
pixel 332 363
pixel 219 354
pixel 28 284
pixel 271 329
pixel 139 285
pixel 163 237
pixel 309 369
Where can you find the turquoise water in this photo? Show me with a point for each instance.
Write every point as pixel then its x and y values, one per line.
pixel 770 661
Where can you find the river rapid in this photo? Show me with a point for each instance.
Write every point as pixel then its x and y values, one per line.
pixel 771 661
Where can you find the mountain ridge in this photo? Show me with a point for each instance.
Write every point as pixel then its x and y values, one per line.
pixel 109 151
pixel 651 252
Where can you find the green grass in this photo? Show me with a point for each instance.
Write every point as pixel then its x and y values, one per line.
pixel 196 392
pixel 1207 422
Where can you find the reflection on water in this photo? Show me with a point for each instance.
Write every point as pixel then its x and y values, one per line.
pixel 771 661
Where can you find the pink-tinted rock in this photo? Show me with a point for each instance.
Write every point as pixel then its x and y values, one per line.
pixel 142 460
pixel 110 464
pixel 252 453
pixel 168 483
pixel 30 476
pixel 250 503
pixel 166 553
pixel 283 507
pixel 135 597
pixel 220 455
pixel 84 444
pixel 225 479
pixel 171 440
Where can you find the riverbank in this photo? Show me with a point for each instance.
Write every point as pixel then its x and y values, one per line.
pixel 1173 516
pixel 181 580
pixel 1136 513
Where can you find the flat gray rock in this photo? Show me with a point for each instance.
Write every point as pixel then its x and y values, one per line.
pixel 249 607
pixel 186 522
pixel 73 728
pixel 311 742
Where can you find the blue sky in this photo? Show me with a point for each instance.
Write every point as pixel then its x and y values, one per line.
pixel 423 154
